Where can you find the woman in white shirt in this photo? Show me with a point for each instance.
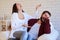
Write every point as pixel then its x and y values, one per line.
pixel 18 21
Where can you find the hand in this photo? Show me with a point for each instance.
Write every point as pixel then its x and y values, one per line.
pixel 37 7
pixel 45 19
pixel 24 25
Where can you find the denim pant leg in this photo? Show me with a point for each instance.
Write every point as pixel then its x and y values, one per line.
pixel 18 34
pixel 30 38
pixel 24 36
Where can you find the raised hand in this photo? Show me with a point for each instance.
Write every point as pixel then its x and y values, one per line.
pixel 38 6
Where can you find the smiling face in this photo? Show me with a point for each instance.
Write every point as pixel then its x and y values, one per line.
pixel 46 16
pixel 19 6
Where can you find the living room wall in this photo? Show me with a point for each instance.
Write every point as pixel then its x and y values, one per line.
pixel 29 7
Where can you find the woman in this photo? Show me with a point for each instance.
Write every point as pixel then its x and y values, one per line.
pixel 49 33
pixel 18 22
pixel 45 31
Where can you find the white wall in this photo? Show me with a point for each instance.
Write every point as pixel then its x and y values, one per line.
pixel 29 7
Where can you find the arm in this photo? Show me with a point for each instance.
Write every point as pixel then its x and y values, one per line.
pixel 52 27
pixel 38 6
pixel 25 25
pixel 14 21
pixel 12 24
pixel 38 22
pixel 36 14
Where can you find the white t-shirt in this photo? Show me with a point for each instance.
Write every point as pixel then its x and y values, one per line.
pixel 16 23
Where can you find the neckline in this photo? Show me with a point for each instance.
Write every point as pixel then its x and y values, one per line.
pixel 19 18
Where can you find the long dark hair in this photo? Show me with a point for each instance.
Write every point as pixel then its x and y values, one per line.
pixel 14 9
pixel 44 13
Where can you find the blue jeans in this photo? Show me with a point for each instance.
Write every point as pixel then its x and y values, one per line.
pixel 22 35
pixel 30 38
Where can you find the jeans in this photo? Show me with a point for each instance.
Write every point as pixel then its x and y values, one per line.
pixel 18 34
pixel 30 38
pixel 22 35
pixel 13 39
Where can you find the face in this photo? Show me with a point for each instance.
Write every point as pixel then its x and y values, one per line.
pixel 19 6
pixel 46 15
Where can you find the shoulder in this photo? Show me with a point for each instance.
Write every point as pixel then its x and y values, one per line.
pixel 33 19
pixel 51 23
pixel 52 27
pixel 32 22
pixel 14 15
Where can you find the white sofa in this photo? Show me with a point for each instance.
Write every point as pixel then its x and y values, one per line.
pixel 52 36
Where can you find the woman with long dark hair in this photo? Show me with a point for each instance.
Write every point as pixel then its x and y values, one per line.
pixel 40 25
pixel 42 28
pixel 19 22
pixel 46 30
